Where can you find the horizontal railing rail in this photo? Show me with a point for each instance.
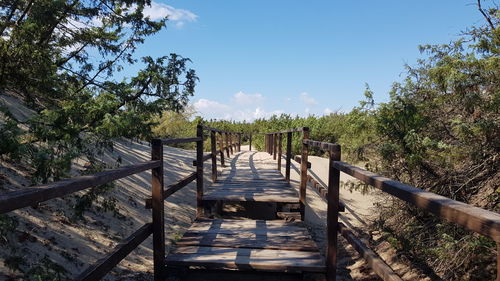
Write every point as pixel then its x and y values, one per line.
pixel 470 217
pixel 14 200
pixel 184 140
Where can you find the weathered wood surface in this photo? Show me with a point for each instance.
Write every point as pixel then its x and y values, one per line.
pixel 473 218
pixel 249 234
pixel 243 182
pixel 248 245
pixel 100 268
pixel 14 200
pixel 174 141
pixel 373 260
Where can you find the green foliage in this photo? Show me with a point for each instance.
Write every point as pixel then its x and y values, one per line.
pixel 60 57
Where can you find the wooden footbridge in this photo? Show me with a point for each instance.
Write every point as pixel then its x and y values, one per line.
pixel 270 248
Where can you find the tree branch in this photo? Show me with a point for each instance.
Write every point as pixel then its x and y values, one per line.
pixel 488 19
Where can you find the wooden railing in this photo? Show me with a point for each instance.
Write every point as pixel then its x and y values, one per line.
pixel 472 218
pixel 14 200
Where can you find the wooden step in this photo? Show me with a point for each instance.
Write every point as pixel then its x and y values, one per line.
pixel 248 245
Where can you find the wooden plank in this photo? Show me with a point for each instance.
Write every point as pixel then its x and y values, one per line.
pixel 14 200
pixel 100 268
pixel 249 240
pixel 247 259
pixel 171 189
pixel 252 198
pixel 288 156
pixel 473 218
pixel 213 155
pixel 280 145
pixel 374 261
pixel 326 146
pixel 199 171
pixel 332 216
pixel 184 140
pixel 158 211
pixel 303 172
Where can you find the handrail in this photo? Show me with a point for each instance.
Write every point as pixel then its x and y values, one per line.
pixel 184 140
pixel 29 197
pixel 100 268
pixel 473 218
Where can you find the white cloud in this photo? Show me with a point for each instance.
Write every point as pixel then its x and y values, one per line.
pixel 248 99
pixel 327 111
pixel 209 109
pixel 304 97
pixel 307 110
pixel 159 11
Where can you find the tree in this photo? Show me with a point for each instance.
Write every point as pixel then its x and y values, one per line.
pixel 60 56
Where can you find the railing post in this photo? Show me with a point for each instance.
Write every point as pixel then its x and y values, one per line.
pixel 239 142
pixel 199 171
pixel 250 143
pixel 288 155
pixel 270 146
pixel 213 146
pixel 332 214
pixel 221 146
pixel 303 172
pixel 227 145
pixel 158 211
pixel 275 145
pixel 498 261
pixel 280 136
pixel 231 142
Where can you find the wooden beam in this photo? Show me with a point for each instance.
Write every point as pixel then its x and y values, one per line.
pixel 473 218
pixel 288 155
pixel 332 216
pixel 174 141
pixel 199 171
pixel 100 268
pixel 171 189
pixel 326 146
pixel 213 155
pixel 303 172
pixel 14 200
pixel 158 212
pixel 280 144
pixel 374 261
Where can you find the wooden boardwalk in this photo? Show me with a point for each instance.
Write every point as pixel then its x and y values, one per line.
pixel 256 245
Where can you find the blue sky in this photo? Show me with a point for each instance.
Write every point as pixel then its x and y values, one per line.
pixel 256 58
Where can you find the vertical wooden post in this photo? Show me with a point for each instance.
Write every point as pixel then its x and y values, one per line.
pixel 231 142
pixel 288 155
pixel 227 145
pixel 199 171
pixel 303 172
pixel 213 146
pixel 280 137
pixel 270 137
pixel 275 145
pixel 221 146
pixel 265 142
pixel 158 211
pixel 250 143
pixel 239 142
pixel 332 214
pixel 498 261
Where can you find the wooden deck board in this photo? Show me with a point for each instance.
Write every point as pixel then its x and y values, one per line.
pixel 248 245
pixel 274 245
pixel 249 234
